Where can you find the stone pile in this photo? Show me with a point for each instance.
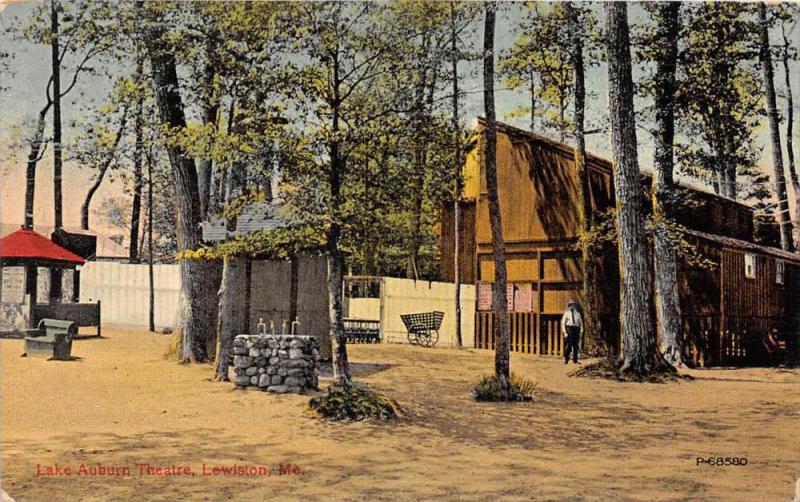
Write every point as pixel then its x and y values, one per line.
pixel 276 363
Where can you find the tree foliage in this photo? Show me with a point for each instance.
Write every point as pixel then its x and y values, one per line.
pixel 539 62
pixel 719 100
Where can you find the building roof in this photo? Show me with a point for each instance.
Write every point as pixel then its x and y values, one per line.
pixel 254 218
pixel 746 246
pixel 106 248
pixel 27 245
pixel 597 162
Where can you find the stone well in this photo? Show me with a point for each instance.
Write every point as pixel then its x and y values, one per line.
pixel 276 363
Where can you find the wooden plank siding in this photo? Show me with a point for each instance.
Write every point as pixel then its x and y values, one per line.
pixel 726 316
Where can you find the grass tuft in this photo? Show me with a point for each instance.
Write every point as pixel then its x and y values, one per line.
pixel 492 388
pixel 354 402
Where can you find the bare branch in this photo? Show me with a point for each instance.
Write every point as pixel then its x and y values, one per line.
pixel 80 68
pixel 43 146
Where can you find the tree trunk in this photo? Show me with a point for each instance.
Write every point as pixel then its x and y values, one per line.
pixel 56 272
pixel 732 190
pixel 210 204
pixel 790 136
pixel 103 169
pixel 197 316
pixel 341 366
pixel 340 363
pixel 592 342
pixel 666 267
pixel 501 358
pixel 420 154
pixel 57 147
pixel 232 305
pixel 151 314
pixel 533 101
pixel 210 110
pixel 34 156
pixel 136 206
pixel 457 178
pixel 640 354
pixel 787 241
pixel 232 319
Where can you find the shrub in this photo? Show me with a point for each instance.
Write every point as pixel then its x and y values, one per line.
pixel 354 402
pixel 492 388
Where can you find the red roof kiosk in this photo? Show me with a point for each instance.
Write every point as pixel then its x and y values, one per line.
pixel 22 253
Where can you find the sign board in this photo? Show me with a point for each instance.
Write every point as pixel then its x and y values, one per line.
pixel 484 296
pixel 13 285
pixel 510 288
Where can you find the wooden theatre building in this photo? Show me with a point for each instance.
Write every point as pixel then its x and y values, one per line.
pixel 738 311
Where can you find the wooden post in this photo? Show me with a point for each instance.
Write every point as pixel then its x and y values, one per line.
pixel 294 275
pixel 76 286
pixel 31 286
pixel 248 280
pixel 539 301
pixel 55 285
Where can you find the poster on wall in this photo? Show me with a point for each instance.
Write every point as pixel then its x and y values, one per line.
pixel 523 298
pixel 13 285
pixel 484 296
pixel 510 288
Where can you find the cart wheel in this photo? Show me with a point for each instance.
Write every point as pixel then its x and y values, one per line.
pixel 434 339
pixel 424 338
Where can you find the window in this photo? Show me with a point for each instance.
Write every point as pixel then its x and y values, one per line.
pixel 750 266
pixel 780 269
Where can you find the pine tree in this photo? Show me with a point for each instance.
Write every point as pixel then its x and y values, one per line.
pixel 500 299
pixel 640 355
pixel 779 179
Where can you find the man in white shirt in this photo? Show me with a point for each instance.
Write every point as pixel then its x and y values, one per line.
pixel 571 327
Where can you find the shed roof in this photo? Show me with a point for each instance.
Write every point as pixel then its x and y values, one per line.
pixel 746 246
pixel 27 245
pixel 253 218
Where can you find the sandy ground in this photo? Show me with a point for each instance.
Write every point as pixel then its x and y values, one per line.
pixel 121 404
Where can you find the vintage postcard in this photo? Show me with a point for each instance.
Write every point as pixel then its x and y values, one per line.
pixel 399 250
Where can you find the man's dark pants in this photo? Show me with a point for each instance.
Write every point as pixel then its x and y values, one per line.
pixel 572 342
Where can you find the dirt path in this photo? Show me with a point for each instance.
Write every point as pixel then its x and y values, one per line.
pixel 122 405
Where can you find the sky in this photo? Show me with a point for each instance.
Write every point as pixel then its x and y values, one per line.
pixel 30 70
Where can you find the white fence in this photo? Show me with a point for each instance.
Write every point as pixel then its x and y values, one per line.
pixel 124 290
pixel 406 296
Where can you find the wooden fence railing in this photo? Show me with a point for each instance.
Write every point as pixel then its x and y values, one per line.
pixel 708 340
pixel 530 333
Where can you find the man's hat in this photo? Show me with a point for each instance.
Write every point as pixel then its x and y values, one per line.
pixel 571 303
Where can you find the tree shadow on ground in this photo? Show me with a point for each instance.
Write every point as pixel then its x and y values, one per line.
pixel 325 369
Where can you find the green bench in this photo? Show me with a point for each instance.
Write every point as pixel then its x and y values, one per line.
pixel 52 339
